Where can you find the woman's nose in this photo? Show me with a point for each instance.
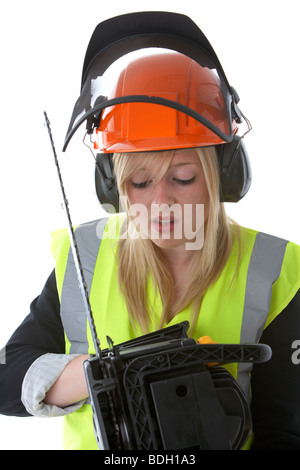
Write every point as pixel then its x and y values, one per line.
pixel 163 193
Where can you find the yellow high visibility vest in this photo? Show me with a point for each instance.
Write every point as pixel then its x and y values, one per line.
pixel 231 312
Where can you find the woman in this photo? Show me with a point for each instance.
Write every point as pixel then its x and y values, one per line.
pixel 174 255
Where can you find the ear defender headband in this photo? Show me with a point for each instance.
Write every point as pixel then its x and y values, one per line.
pixel 151 81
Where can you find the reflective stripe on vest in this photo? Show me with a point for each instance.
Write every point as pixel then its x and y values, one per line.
pixel 72 313
pixel 264 269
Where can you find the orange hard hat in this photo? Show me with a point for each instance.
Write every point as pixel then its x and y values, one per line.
pixel 142 126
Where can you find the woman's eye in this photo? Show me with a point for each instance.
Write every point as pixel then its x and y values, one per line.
pixel 141 185
pixel 185 182
pixel 145 184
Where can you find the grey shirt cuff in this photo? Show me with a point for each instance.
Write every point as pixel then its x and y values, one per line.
pixel 39 379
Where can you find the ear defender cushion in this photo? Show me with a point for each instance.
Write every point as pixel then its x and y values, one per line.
pixel 235 170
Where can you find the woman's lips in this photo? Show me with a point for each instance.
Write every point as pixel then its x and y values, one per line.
pixel 166 225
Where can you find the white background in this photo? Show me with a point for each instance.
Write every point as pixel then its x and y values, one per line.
pixel 43 44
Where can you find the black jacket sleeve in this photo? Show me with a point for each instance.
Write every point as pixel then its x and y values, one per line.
pixel 276 385
pixel 41 332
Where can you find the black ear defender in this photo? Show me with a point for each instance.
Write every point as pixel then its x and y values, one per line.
pixel 105 182
pixel 234 165
pixel 235 170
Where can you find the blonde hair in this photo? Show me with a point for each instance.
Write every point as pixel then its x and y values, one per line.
pixel 140 258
